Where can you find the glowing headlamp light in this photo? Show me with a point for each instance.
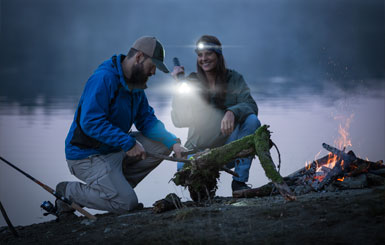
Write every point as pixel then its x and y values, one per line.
pixel 208 46
pixel 200 46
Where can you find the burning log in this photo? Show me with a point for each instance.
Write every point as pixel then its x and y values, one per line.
pixel 343 163
pixel 346 157
pixel 309 169
pixel 356 182
pixel 205 165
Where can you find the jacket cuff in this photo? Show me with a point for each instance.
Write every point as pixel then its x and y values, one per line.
pixel 171 142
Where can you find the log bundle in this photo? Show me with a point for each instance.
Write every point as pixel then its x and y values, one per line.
pixel 350 172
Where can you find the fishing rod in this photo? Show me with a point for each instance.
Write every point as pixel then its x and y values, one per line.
pixel 52 191
pixel 13 230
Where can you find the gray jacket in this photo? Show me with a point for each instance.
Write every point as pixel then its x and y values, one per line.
pixel 204 118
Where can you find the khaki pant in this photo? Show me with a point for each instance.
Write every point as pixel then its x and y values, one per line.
pixel 108 186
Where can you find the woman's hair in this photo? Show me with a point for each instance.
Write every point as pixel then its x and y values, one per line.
pixel 221 71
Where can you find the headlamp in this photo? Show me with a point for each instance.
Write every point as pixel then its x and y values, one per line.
pixel 208 46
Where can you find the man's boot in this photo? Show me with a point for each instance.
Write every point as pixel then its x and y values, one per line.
pixel 64 210
pixel 237 186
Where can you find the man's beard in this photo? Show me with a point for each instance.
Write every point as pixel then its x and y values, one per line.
pixel 138 77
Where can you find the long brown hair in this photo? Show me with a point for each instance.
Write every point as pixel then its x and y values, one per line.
pixel 221 73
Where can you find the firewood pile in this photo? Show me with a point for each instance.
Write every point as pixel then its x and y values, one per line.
pixel 335 171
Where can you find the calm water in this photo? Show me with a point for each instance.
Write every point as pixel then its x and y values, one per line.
pixel 33 139
pixel 305 82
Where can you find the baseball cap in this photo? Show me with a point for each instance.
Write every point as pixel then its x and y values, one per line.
pixel 151 47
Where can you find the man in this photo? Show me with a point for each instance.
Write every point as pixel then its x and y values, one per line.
pixel 100 138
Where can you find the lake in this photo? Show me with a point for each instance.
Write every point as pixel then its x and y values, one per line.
pixel 33 139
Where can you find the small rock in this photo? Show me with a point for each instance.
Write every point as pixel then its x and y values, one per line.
pixel 299 190
pixel 126 215
pixel 87 222
pixel 330 188
pixel 240 204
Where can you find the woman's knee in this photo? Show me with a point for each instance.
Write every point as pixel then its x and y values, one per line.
pixel 251 123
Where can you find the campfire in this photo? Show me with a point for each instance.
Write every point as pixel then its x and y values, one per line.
pixel 337 170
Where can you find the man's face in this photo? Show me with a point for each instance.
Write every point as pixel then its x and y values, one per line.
pixel 141 71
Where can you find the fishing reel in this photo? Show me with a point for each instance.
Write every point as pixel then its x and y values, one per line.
pixel 49 208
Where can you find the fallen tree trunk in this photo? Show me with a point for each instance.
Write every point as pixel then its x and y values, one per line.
pixel 262 191
pixel 200 175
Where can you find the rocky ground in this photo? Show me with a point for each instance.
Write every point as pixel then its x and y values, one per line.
pixel 340 217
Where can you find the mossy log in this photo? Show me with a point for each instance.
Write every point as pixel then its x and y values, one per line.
pixel 204 167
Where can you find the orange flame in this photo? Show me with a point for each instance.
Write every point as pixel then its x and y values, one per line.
pixel 341 142
pixel 344 141
pixel 307 165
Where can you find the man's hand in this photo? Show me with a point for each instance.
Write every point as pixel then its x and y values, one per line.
pixel 137 151
pixel 227 124
pixel 178 149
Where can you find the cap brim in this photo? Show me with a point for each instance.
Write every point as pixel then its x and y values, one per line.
pixel 160 65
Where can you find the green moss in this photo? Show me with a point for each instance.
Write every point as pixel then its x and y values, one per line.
pixel 199 179
pixel 262 149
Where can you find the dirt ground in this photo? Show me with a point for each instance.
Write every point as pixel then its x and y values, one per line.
pixel 341 217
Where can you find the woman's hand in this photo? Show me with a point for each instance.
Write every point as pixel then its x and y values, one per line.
pixel 227 124
pixel 177 70
pixel 178 149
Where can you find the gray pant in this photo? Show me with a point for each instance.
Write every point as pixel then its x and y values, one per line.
pixel 109 186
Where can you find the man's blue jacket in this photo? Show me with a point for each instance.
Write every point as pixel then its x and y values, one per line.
pixel 106 112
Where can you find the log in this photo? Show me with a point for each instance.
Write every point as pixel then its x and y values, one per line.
pixel 341 166
pixel 205 165
pixel 262 191
pixel 359 166
pixel 309 170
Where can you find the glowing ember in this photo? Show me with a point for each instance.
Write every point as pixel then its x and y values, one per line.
pixel 307 165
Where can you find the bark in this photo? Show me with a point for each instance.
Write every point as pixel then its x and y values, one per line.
pixel 262 191
pixel 205 165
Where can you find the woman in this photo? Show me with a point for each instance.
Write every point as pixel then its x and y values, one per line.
pixel 219 110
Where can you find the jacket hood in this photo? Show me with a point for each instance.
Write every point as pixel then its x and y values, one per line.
pixel 114 65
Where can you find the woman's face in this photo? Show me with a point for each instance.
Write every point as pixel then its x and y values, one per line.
pixel 207 60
